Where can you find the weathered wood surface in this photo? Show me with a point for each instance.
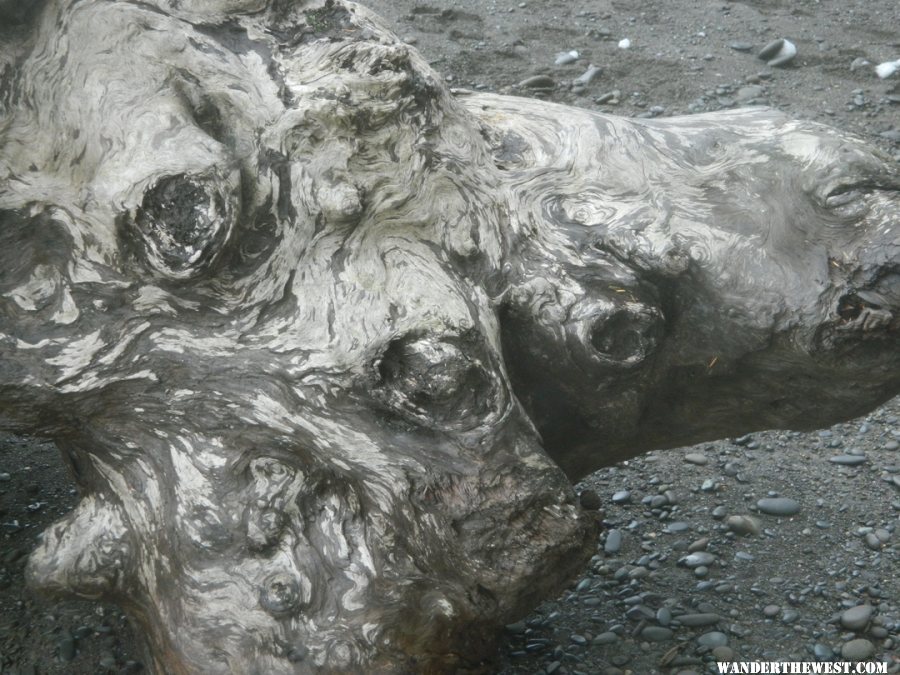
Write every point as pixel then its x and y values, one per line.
pixel 323 342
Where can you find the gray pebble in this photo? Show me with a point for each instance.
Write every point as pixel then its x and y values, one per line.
pixel 743 525
pixel 713 639
pixel 741 46
pixel 857 617
pixel 857 650
pixel 656 634
pixel 696 620
pixel 678 526
pixel 790 616
pixel 700 558
pixel 605 638
pixel 771 611
pixel 613 542
pixel 67 647
pixel 848 460
pixel 621 497
pixel 698 545
pixel 663 616
pixel 696 458
pixel 778 506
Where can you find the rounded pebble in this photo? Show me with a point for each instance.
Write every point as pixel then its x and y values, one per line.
pixel 847 460
pixel 613 542
pixel 857 617
pixel 656 634
pixel 743 525
pixel 857 650
pixel 698 559
pixel 713 639
pixel 778 506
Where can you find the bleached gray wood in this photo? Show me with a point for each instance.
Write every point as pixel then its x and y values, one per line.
pixel 324 342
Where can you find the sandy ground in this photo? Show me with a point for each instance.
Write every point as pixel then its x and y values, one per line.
pixel 772 588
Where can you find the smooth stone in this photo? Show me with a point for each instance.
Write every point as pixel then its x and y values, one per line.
pixel 697 620
pixel 848 460
pixel 67 647
pixel 713 639
pixel 677 527
pixel 743 525
pixel 698 559
pixel 719 512
pixel 621 497
pixel 790 616
pixel 664 616
pixel 696 458
pixel 657 501
pixel 857 617
pixel 778 506
pixel 741 46
pixel 605 638
pixel 698 545
pixel 857 650
pixel 613 542
pixel 771 611
pixel 656 634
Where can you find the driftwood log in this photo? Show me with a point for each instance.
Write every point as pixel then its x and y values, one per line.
pixel 324 342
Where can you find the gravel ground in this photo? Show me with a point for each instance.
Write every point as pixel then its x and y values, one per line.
pixel 691 565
